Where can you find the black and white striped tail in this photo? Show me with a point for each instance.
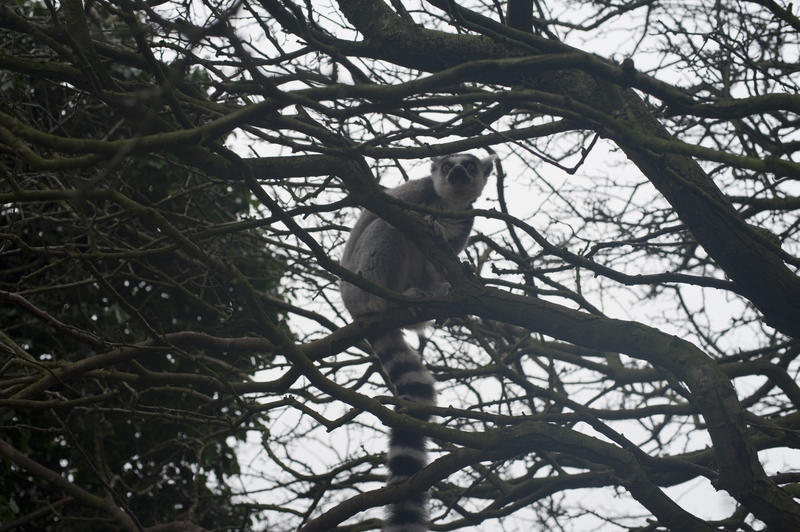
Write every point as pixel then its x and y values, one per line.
pixel 407 455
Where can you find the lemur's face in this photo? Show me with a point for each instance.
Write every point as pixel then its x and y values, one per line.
pixel 459 179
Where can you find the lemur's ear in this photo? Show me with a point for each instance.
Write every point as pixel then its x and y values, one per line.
pixel 487 164
pixel 435 162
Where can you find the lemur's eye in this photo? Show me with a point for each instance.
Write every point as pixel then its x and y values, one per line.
pixel 471 166
pixel 446 167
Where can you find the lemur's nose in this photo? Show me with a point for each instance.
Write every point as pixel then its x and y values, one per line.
pixel 458 175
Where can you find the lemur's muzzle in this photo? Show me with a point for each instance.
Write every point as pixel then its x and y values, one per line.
pixel 458 175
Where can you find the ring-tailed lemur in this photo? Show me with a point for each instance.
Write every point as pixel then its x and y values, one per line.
pixel 384 255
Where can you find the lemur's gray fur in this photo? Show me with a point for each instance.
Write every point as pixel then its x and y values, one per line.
pixel 384 255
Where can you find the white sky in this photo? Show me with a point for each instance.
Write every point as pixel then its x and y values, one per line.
pixel 527 202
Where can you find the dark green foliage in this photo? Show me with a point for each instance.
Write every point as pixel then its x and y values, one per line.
pixel 87 269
